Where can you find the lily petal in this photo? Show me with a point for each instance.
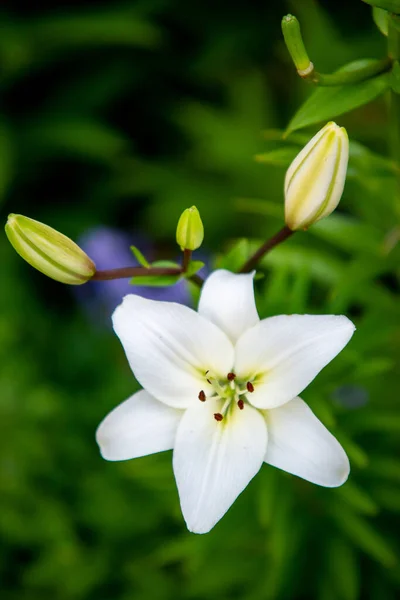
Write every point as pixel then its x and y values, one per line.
pixel 139 426
pixel 215 460
pixel 299 444
pixel 287 352
pixel 227 299
pixel 170 347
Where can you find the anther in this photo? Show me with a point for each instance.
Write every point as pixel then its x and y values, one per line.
pixel 218 416
pixel 240 404
pixel 202 396
pixel 208 381
pixel 231 376
pixel 250 386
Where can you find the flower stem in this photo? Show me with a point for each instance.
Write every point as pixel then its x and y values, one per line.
pixel 279 237
pixel 125 272
pixel 348 77
pixel 187 257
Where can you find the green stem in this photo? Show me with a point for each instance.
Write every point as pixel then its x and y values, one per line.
pixel 349 77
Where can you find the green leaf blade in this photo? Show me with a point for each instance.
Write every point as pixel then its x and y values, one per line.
pixel 326 103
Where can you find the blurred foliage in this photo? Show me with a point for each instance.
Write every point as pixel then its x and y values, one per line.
pixel 124 114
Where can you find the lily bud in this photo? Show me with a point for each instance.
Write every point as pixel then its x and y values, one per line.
pixel 190 230
pixel 294 43
pixel 315 180
pixel 49 251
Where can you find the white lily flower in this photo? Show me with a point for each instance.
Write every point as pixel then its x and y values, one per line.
pixel 220 389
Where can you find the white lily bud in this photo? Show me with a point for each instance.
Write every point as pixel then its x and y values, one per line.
pixel 49 251
pixel 315 180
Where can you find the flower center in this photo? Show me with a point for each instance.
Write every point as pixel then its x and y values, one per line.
pixel 230 392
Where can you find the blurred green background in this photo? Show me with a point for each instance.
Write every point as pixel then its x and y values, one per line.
pixel 123 114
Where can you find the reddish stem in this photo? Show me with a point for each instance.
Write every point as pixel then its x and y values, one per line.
pixel 279 237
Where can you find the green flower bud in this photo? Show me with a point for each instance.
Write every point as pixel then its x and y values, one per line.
pixel 49 251
pixel 190 230
pixel 315 180
pixel 294 43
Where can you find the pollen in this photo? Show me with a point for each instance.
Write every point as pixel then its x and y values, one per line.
pixel 202 396
pixel 218 416
pixel 240 404
pixel 231 376
pixel 250 386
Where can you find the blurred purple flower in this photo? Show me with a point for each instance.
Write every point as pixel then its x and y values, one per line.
pixel 110 248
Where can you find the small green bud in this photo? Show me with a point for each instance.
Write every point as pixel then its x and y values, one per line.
pixel 190 230
pixel 295 45
pixel 392 6
pixel 49 251
pixel 315 180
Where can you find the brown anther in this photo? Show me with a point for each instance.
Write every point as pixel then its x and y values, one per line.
pixel 250 386
pixel 231 376
pixel 202 396
pixel 208 381
pixel 241 404
pixel 218 416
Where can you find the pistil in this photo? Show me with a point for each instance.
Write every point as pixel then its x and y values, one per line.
pixel 228 391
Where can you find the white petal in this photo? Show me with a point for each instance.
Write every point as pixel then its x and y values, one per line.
pixel 287 352
pixel 170 347
pixel 214 461
pixel 139 426
pixel 299 444
pixel 227 299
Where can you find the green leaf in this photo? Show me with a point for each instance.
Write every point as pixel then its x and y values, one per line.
pixel 139 257
pixel 385 467
pixel 100 27
pixel 158 280
pixel 325 103
pixel 78 137
pixel 194 266
pixel 349 234
pixel 381 19
pixel 388 497
pixel 356 498
pixel 363 535
pixel 236 257
pixel 342 559
pixel 280 157
pixel 395 79
pixel 300 291
pixel 374 421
